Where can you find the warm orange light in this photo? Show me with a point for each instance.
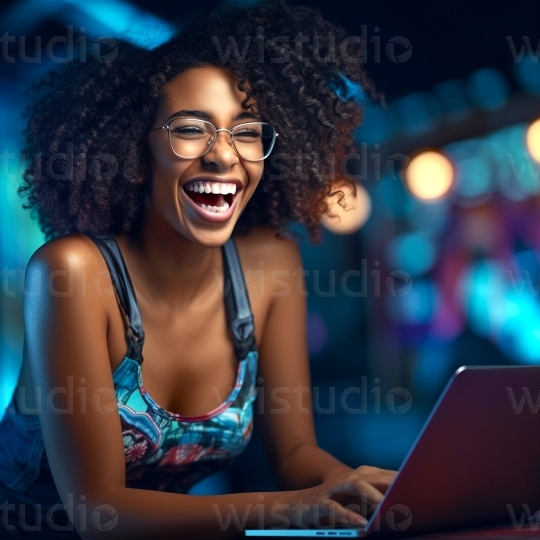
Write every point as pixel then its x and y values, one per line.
pixel 353 216
pixel 429 175
pixel 533 140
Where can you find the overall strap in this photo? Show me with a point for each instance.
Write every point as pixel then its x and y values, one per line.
pixel 126 294
pixel 237 306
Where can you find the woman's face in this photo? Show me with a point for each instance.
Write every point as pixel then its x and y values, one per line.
pixel 210 90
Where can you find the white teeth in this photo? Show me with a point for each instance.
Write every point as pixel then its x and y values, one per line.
pixel 212 187
pixel 215 209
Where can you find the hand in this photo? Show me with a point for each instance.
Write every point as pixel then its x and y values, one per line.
pixel 343 501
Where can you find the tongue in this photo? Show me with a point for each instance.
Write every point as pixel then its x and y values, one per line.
pixel 212 199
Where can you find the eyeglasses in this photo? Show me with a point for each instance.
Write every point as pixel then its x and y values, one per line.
pixel 192 138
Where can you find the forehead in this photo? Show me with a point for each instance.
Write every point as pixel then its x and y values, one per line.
pixel 210 88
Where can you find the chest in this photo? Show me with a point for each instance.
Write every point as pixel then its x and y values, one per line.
pixel 189 366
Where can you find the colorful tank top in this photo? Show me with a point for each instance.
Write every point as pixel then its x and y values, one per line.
pixel 164 451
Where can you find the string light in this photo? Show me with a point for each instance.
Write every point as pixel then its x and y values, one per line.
pixel 351 213
pixel 430 175
pixel 533 140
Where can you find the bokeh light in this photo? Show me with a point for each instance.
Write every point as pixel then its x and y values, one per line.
pixel 430 175
pixel 488 88
pixel 533 140
pixel 414 253
pixel 351 213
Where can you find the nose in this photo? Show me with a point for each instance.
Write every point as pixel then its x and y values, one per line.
pixel 222 152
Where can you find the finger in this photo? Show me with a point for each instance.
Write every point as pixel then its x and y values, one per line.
pixel 369 492
pixel 359 488
pixel 381 484
pixel 375 470
pixel 337 514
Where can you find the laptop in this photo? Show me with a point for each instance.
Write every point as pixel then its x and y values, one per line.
pixel 475 463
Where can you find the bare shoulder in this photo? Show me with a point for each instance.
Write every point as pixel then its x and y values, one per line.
pixel 70 265
pixel 74 248
pixel 262 244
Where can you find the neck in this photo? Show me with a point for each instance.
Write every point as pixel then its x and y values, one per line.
pixel 174 270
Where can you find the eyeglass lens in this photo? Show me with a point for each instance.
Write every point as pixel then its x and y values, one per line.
pixel 191 138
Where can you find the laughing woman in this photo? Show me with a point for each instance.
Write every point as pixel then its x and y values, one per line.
pixel 144 344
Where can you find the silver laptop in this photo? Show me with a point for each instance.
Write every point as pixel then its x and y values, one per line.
pixel 476 462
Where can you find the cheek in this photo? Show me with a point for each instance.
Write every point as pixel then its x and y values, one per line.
pixel 255 172
pixel 166 168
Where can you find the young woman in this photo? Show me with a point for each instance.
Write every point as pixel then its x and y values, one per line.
pixel 163 181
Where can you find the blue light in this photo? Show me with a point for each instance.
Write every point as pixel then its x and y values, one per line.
pixel 452 96
pixel 120 19
pixel 416 112
pixel 395 201
pixel 432 369
pixel 520 334
pixel 414 253
pixel 527 72
pixel 488 88
pixel 483 289
pixel 419 305
pixel 378 126
pixel 473 177
pixel 430 217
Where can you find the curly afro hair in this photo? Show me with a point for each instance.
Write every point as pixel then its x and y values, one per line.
pixel 88 121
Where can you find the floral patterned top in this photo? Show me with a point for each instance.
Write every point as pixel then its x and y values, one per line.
pixel 166 451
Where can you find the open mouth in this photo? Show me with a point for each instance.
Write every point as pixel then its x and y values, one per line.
pixel 215 197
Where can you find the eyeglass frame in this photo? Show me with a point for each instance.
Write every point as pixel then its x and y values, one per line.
pixel 216 130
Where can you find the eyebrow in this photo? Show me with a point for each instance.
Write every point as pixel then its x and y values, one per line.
pixel 205 116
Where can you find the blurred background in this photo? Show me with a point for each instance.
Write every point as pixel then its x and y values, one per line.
pixel 437 263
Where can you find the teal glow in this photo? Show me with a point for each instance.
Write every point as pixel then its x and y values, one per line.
pixel 527 72
pixel 483 293
pixel 416 112
pixel 431 217
pixel 488 88
pixel 414 253
pixel 419 305
pixel 473 177
pixel 520 334
pixel 122 20
pixel 378 126
pixel 432 369
pixel 395 202
pixel 452 97
pixel 354 90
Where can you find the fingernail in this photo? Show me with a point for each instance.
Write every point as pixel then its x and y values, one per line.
pixel 360 521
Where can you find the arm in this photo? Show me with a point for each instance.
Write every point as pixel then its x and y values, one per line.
pixel 288 431
pixel 67 348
